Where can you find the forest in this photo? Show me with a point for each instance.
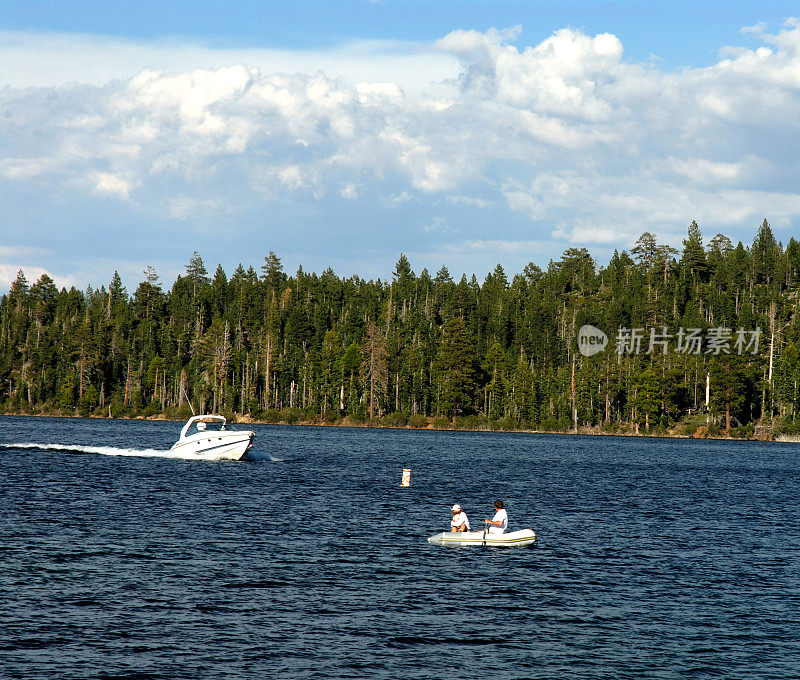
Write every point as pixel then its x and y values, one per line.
pixel 424 350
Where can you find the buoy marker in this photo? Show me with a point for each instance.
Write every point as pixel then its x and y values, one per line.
pixel 406 481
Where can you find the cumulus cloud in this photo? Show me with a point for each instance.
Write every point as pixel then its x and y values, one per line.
pixel 32 272
pixel 399 199
pixel 185 207
pixel 57 59
pixel 439 225
pixel 474 201
pixel 25 168
pixel 106 183
pixel 350 192
pixel 565 139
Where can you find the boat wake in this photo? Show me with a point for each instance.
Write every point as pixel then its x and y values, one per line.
pixel 264 456
pixel 107 451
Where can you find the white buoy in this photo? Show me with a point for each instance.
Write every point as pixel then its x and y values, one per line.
pixel 406 477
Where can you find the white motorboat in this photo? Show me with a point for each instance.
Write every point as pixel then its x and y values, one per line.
pixel 206 437
pixel 510 539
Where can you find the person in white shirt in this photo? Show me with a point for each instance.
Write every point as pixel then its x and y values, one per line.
pixel 498 523
pixel 459 521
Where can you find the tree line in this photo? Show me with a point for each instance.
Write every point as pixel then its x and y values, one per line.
pixel 420 349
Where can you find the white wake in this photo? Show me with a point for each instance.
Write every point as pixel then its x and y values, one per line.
pixel 108 451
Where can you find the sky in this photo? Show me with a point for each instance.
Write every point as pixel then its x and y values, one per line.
pixel 342 134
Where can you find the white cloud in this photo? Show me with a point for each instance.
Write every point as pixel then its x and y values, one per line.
pixel 705 171
pixel 106 183
pixel 439 226
pixel 58 59
pixel 399 199
pixel 349 192
pixel 376 93
pixel 566 139
pixel 589 234
pixel 32 272
pixel 291 177
pixel 498 247
pixel 25 168
pixel 8 252
pixel 473 201
pixel 185 207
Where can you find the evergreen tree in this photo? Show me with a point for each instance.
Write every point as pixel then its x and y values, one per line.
pixel 787 371
pixel 502 349
pixel 647 396
pixel 765 254
pixel 18 295
pixel 197 273
pixel 456 369
pixel 728 378
pixel 272 271
pixel 645 250
pixel 374 370
pixel 792 263
pixel 443 276
pixel 694 255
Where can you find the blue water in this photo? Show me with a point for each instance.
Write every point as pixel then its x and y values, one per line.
pixel 655 559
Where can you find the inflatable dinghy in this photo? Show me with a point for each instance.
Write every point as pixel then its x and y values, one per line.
pixel 510 539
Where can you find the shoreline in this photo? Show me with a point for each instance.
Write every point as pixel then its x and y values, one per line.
pixel 591 432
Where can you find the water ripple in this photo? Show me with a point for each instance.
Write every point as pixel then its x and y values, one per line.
pixel 656 559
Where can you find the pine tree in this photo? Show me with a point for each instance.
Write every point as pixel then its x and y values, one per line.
pixel 792 263
pixel 272 272
pixel 765 254
pixel 456 369
pixel 647 395
pixel 374 370
pixel 197 273
pixel 18 295
pixel 503 348
pixel 728 378
pixel 787 384
pixel 694 255
pixel 645 250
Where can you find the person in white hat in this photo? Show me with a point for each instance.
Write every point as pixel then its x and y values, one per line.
pixel 459 521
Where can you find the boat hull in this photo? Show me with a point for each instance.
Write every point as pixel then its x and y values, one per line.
pixel 511 539
pixel 226 445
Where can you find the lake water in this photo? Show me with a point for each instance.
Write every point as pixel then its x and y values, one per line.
pixel 656 558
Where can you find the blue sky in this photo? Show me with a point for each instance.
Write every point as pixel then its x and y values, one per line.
pixel 681 33
pixel 344 133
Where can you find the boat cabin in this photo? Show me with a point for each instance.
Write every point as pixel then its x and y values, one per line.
pixel 202 425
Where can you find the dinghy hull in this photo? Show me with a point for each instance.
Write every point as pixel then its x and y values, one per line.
pixel 511 539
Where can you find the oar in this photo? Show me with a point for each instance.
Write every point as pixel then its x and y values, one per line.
pixel 485 527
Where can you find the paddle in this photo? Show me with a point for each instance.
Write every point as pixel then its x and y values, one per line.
pixel 485 527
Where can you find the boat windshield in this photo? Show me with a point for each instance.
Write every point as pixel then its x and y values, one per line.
pixel 202 426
